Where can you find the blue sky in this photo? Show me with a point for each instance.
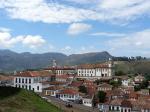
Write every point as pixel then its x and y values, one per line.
pixel 121 27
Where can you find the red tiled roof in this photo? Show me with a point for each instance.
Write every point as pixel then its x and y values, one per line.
pixel 92 66
pixel 76 83
pixel 62 76
pixel 57 83
pixel 53 88
pixel 34 74
pixel 105 85
pixel 69 91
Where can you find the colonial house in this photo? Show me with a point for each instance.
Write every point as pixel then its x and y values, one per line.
pixel 145 92
pixel 87 100
pixel 62 78
pixel 125 81
pixel 61 70
pixel 6 80
pixel 32 80
pixel 52 90
pixel 68 95
pixel 138 79
pixel 104 87
pixel 95 71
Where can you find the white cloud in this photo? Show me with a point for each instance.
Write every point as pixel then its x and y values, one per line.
pixel 33 41
pixel 3 29
pixel 7 40
pixel 108 34
pixel 57 12
pixel 77 28
pixel 138 42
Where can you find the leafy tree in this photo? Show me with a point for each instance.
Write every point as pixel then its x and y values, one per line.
pixel 115 83
pixel 101 96
pixel 119 73
pixel 143 85
pixel 82 89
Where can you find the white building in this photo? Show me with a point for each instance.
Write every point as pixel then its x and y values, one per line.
pixel 61 70
pixel 32 80
pixel 87 101
pixel 68 95
pixel 95 71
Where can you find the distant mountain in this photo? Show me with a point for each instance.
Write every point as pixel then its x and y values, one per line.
pixel 10 60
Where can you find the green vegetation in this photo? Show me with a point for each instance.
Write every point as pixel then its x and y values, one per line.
pixel 133 67
pixel 20 100
pixel 143 85
pixel 82 89
pixel 101 96
pixel 115 83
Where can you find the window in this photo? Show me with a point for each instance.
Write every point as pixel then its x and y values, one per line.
pixel 30 81
pixel 117 108
pixel 37 87
pixel 26 80
pixel 19 80
pixel 16 80
pixel 109 107
pixel 22 80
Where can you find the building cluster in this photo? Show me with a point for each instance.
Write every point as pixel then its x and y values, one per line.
pixel 81 84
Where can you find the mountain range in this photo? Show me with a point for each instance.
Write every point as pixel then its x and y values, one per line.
pixel 10 61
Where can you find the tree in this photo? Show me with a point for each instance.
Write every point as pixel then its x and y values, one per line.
pixel 115 83
pixel 119 73
pixel 101 96
pixel 82 89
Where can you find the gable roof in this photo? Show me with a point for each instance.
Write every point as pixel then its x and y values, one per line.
pixel 33 74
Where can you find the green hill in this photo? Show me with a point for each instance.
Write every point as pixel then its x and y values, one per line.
pixel 20 100
pixel 133 66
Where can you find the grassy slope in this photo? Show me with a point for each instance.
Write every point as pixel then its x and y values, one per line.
pixel 133 67
pixel 19 100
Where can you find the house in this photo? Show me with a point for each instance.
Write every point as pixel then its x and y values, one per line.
pixel 58 83
pixel 6 80
pixel 114 94
pixel 76 84
pixel 68 95
pixel 33 80
pixel 52 90
pixel 95 71
pixel 138 79
pixel 104 87
pixel 62 78
pixel 144 92
pixel 125 81
pixel 87 100
pixel 61 70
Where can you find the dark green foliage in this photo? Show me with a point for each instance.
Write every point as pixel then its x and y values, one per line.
pixel 115 83
pixel 101 96
pixel 82 89
pixel 4 93
pixel 119 73
pixel 143 85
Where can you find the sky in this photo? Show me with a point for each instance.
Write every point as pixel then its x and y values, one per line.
pixel 121 27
